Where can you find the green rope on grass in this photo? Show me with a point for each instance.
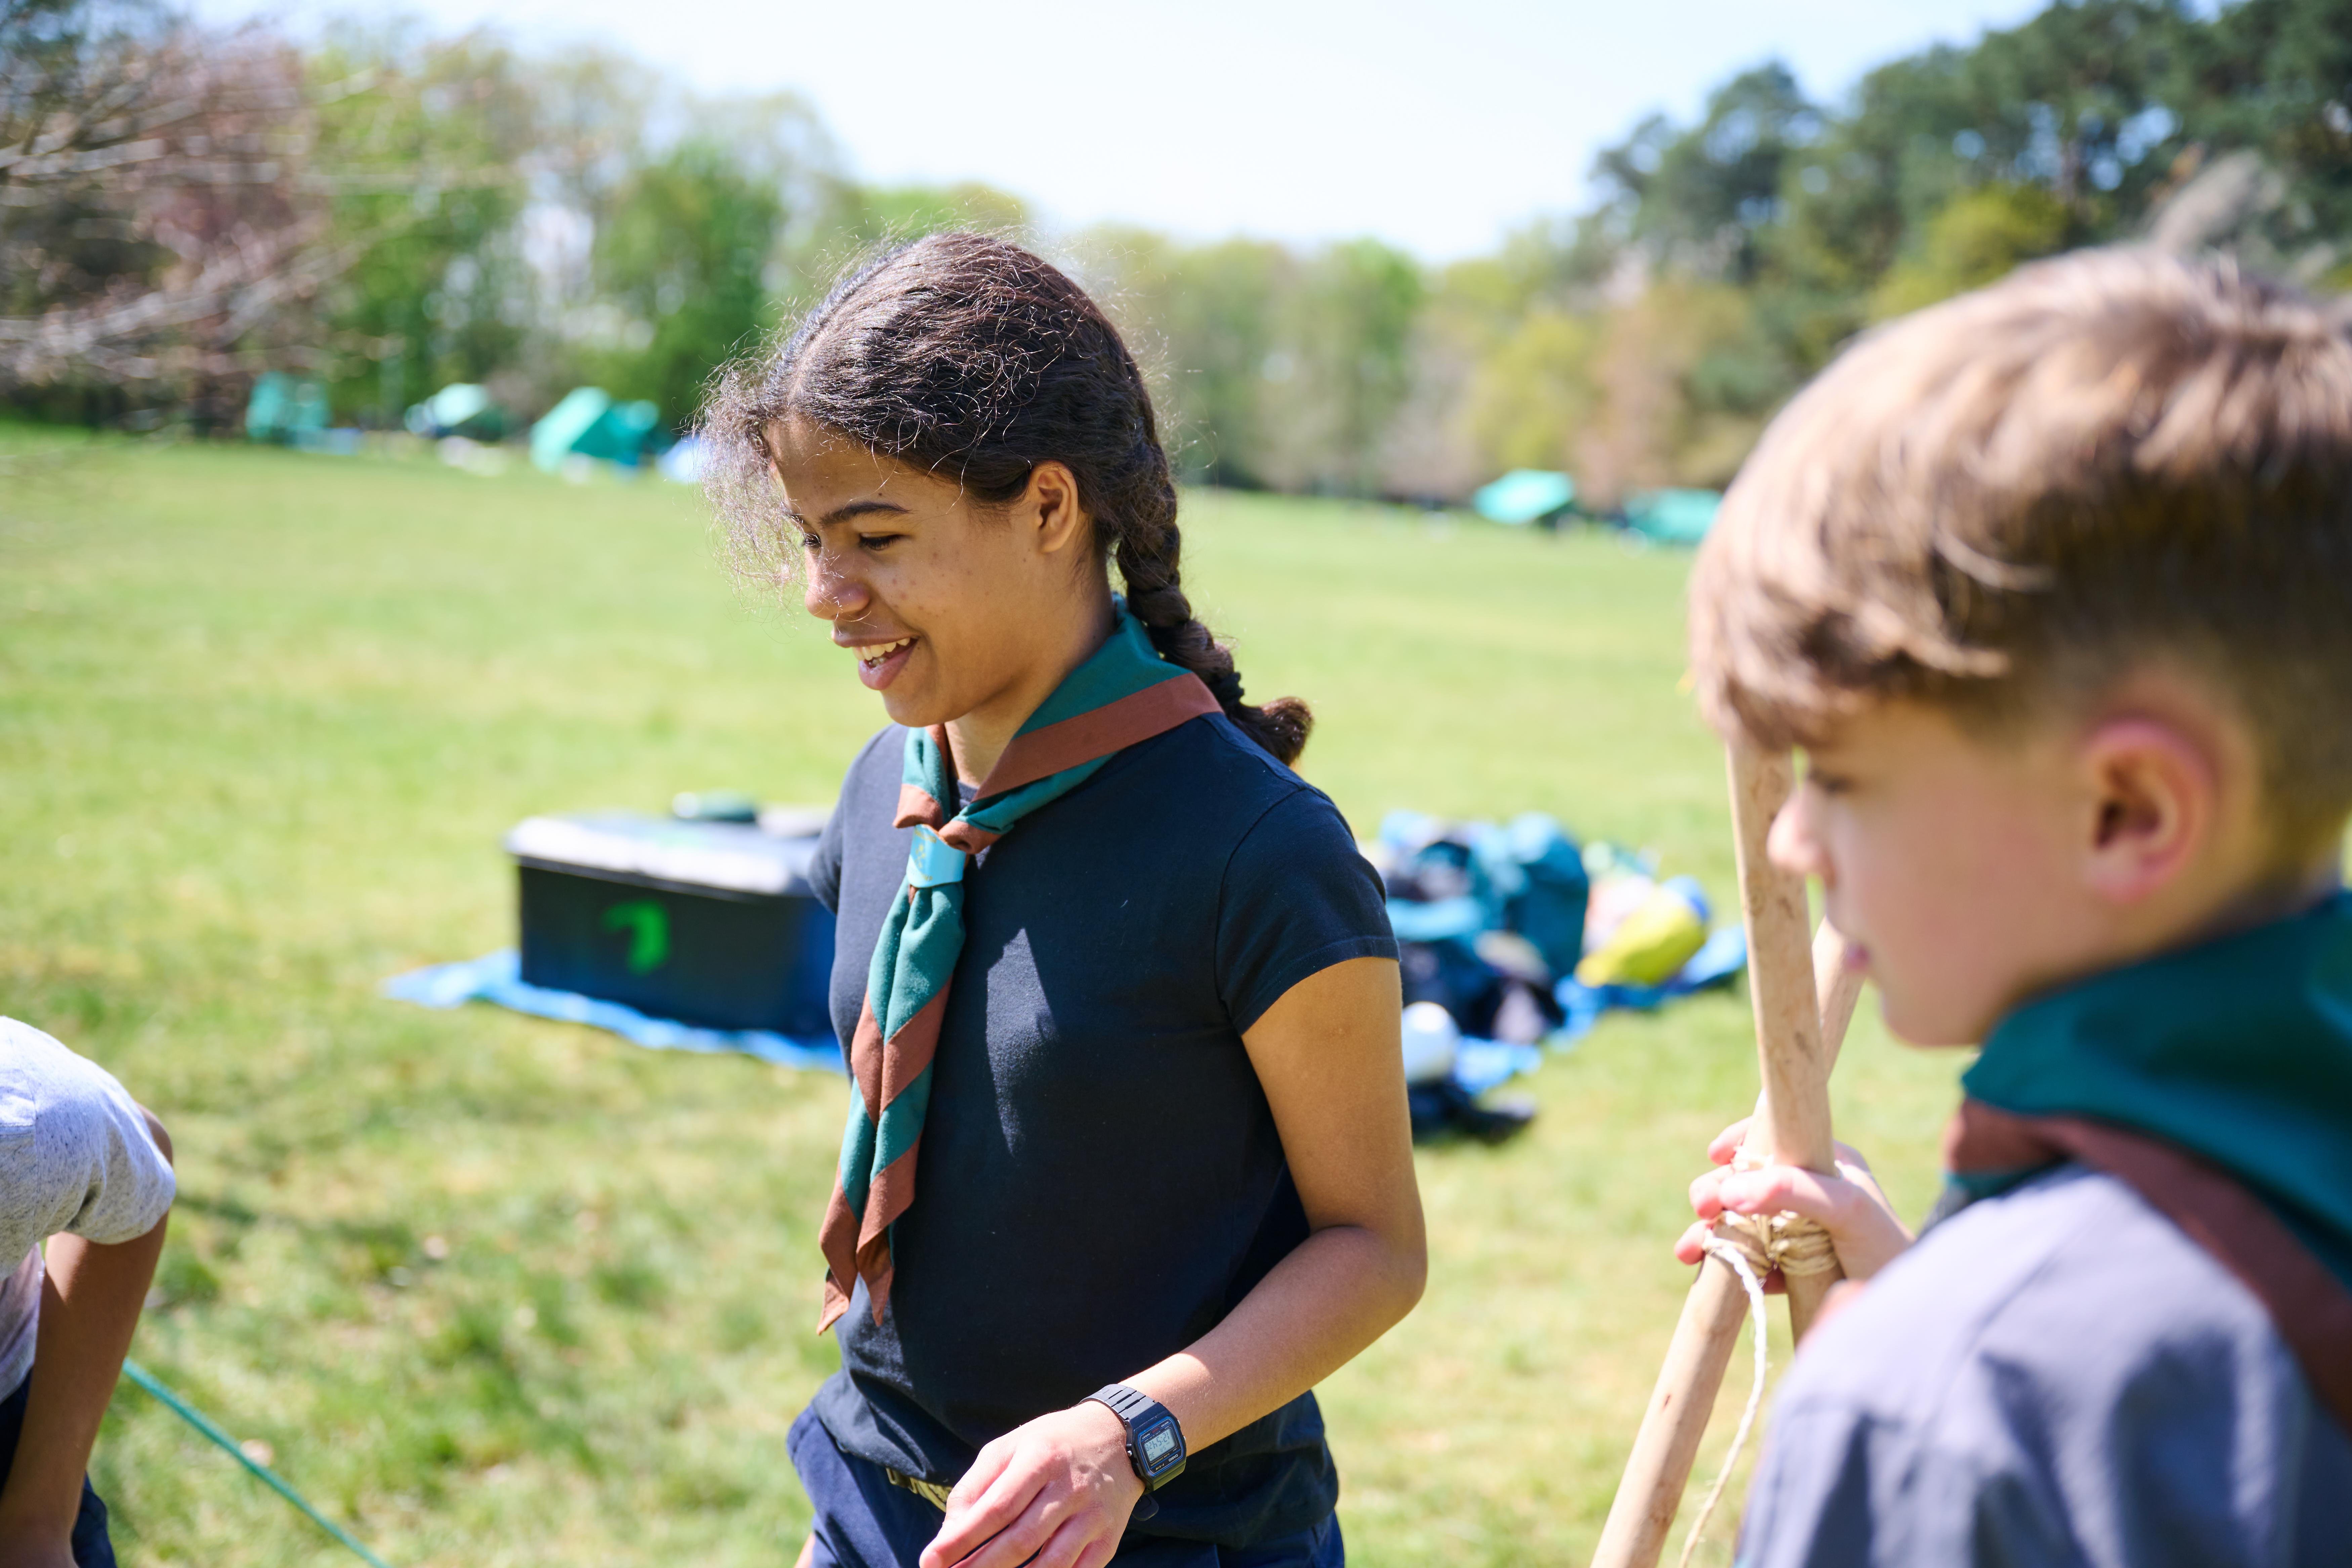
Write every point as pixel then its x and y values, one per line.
pixel 204 1424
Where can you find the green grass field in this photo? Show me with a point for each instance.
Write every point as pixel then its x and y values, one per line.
pixel 498 1291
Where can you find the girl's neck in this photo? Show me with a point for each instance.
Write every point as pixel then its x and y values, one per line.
pixel 978 738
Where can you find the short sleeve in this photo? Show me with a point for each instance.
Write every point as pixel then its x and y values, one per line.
pixel 75 1153
pixel 1296 899
pixel 825 866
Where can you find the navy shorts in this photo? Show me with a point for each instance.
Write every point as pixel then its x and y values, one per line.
pixel 91 1548
pixel 864 1522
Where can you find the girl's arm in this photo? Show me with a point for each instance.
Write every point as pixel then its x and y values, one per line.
pixel 1059 1489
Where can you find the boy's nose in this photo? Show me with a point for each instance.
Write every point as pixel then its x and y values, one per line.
pixel 1792 845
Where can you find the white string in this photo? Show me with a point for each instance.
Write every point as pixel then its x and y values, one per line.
pixel 1717 1248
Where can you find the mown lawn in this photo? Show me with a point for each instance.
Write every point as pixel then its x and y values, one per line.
pixel 498 1290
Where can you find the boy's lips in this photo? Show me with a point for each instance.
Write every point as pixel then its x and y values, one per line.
pixel 878 663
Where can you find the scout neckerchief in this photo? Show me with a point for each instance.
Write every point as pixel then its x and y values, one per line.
pixel 2217 1082
pixel 1123 694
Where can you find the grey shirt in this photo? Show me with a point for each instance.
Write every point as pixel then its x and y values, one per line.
pixel 2054 1377
pixel 75 1158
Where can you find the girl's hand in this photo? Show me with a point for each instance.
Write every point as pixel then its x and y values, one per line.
pixel 1056 1491
pixel 1849 1205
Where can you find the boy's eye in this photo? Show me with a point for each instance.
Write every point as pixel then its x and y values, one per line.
pixel 1828 783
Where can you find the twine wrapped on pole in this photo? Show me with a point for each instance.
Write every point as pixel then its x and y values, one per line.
pixel 1803 994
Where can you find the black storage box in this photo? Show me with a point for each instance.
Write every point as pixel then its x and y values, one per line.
pixel 707 922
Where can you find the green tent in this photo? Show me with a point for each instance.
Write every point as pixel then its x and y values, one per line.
pixel 460 408
pixel 1525 496
pixel 1672 517
pixel 285 408
pixel 589 424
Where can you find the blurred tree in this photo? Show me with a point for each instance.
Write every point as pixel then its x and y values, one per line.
pixel 1978 237
pixel 895 214
pixel 1702 197
pixel 402 212
pixel 2273 79
pixel 1534 393
pixel 1678 398
pixel 684 257
pixel 162 226
pixel 2066 103
pixel 1225 361
pixel 430 146
pixel 1339 367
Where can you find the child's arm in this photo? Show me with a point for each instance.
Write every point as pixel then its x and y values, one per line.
pixel 1849 1205
pixel 89 1306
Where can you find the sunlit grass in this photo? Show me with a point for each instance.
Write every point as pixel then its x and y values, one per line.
pixel 499 1290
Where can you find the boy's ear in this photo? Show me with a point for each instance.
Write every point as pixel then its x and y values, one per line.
pixel 2154 799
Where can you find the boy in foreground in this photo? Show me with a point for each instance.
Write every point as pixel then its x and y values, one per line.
pixel 85 1169
pixel 2053 583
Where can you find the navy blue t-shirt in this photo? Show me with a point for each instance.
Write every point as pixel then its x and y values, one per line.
pixel 1101 1179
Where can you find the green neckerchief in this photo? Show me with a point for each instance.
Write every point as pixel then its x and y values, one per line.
pixel 2238 1051
pixel 1123 693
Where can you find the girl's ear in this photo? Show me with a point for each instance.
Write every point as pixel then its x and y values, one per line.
pixel 1052 508
pixel 2154 795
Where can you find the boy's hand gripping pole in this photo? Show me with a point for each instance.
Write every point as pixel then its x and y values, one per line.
pixel 1803 1002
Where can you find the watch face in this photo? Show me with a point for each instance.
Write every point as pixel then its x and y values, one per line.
pixel 1157 1444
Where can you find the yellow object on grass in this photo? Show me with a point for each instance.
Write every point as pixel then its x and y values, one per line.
pixel 1650 945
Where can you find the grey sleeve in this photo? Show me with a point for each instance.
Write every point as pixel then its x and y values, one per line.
pixel 75 1153
pixel 2056 1376
pixel 1839 1490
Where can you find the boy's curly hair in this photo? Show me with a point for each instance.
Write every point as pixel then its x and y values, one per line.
pixel 2007 500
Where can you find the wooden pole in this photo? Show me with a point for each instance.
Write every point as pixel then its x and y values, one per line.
pixel 1803 1002
pixel 1792 1121
pixel 1838 986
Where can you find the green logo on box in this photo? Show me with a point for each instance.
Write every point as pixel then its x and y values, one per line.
pixel 647 924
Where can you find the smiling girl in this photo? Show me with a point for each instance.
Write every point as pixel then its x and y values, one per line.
pixel 1105 963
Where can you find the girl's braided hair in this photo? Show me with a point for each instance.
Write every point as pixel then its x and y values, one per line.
pixel 969 357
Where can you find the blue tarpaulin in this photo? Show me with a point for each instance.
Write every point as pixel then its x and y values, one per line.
pixel 496 977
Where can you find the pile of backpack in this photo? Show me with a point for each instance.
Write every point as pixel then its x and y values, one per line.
pixel 1514 937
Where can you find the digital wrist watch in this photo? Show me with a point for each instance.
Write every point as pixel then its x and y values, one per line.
pixel 1155 1443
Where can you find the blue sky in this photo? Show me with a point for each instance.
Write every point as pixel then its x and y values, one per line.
pixel 1437 127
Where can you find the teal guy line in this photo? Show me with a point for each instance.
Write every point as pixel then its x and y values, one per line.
pixel 204 1424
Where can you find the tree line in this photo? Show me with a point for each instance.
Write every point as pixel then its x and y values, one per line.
pixel 183 208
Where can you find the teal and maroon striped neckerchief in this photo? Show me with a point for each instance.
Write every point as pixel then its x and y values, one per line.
pixel 1125 692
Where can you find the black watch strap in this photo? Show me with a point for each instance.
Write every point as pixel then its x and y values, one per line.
pixel 1155 1441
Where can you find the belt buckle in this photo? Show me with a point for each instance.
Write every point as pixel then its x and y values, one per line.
pixel 936 1493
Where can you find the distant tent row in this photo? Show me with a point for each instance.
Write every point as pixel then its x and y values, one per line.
pixel 588 425
pixel 1546 498
pixel 293 410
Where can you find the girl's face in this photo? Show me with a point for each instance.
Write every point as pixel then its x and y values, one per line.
pixel 950 610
